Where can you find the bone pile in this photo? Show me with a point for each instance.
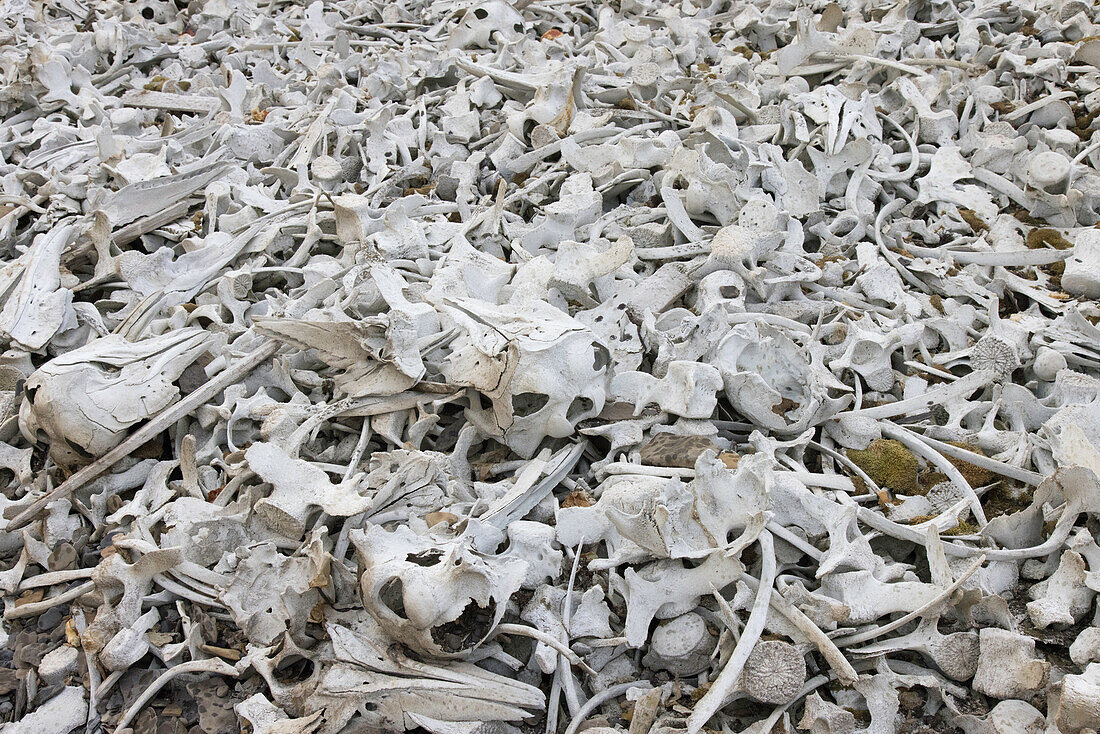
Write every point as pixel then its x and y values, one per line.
pixel 550 366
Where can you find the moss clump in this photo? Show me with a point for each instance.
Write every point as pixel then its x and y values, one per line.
pixel 889 464
pixel 1042 237
pixel 931 478
pixel 963 528
pixel 975 475
pixel 1023 216
pixel 1055 271
pixel 976 223
pixel 1006 498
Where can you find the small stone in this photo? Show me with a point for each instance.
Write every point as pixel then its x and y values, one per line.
pixel 50 619
pixel 730 459
pixel 579 498
pixel 9 681
pixel 146 722
pixel 171 726
pixel 30 655
pixel 670 450
pixel 30 597
pixel 434 518
pixel 46 693
pixel 64 556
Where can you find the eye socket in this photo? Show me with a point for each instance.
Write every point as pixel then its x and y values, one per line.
pixel 294 671
pixel 426 559
pixel 529 403
pixel 392 596
pixel 471 627
pixel 518 27
pixel 600 357
pixel 481 13
pixel 579 406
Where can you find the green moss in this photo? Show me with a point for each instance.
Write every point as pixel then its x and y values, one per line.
pixel 963 528
pixel 889 464
pixel 929 479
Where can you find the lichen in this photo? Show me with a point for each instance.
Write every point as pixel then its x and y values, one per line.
pixel 889 464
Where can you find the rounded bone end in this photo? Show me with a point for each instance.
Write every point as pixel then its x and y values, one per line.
pixel 681 646
pixel 1015 717
pixel 1047 364
pixel 957 655
pixel 1047 169
pixel 1086 648
pixel 774 673
pixel 1079 707
pixel 1008 666
pixel 995 354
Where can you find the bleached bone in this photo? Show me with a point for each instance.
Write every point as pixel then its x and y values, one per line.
pixel 87 399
